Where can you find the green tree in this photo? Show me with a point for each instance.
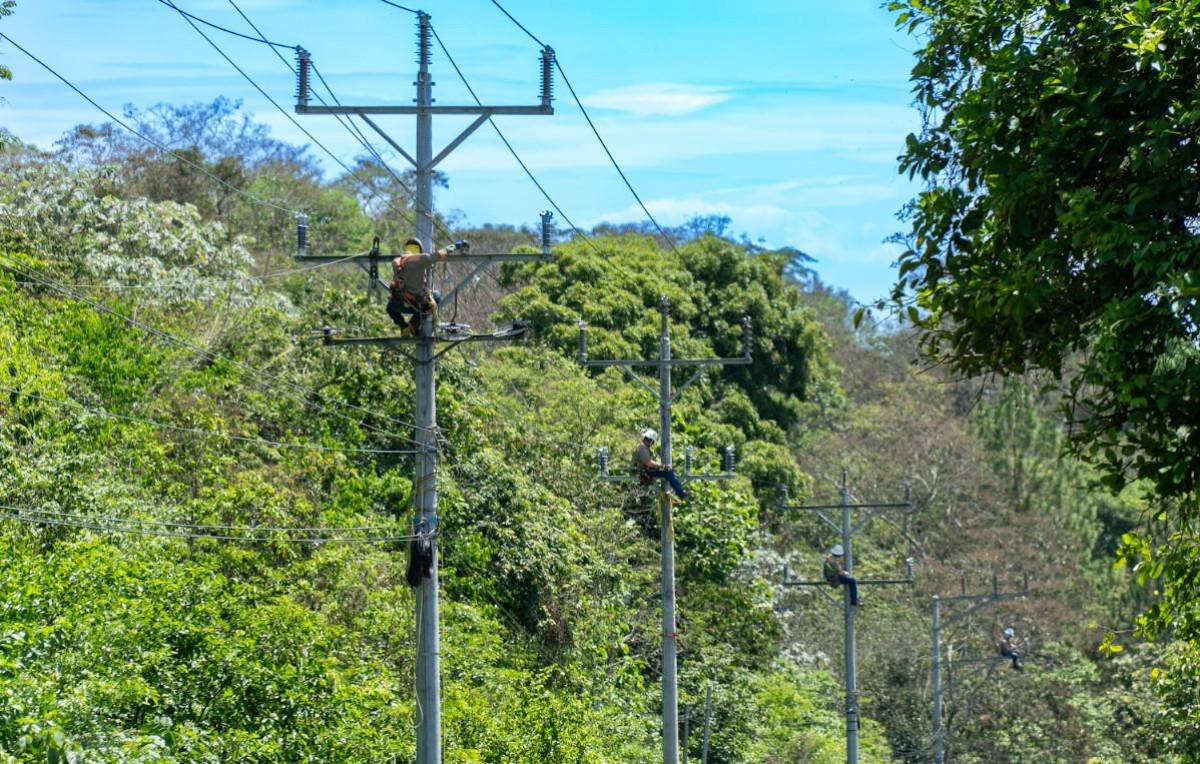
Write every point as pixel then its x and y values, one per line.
pixel 6 9
pixel 1060 150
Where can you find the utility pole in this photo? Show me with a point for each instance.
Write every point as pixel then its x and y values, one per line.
pixel 665 396
pixel 425 522
pixel 847 529
pixel 935 672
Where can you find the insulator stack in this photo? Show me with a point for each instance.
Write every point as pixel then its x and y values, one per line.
pixel 423 41
pixel 303 64
pixel 582 342
pixel 687 460
pixel 746 336
pixel 547 76
pixel 547 230
pixel 727 460
pixel 301 234
pixel 602 458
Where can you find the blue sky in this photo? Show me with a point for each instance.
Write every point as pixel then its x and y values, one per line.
pixel 786 116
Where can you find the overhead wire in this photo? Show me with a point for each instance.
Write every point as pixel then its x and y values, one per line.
pixel 349 172
pixel 558 65
pixel 509 145
pixel 323 530
pixel 256 374
pixel 200 431
pixel 107 523
pixel 226 30
pixel 345 122
pixel 153 142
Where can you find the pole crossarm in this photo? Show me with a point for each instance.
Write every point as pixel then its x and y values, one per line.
pixel 486 111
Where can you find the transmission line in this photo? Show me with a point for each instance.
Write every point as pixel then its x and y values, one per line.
pixel 227 30
pixel 160 146
pixel 200 431
pixel 512 150
pixel 146 528
pixel 346 123
pixel 595 131
pixel 258 375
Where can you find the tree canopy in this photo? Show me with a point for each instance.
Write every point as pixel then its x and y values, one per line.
pixel 1057 230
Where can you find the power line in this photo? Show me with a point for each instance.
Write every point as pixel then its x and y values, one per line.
pixel 209 526
pixel 226 30
pixel 596 132
pixel 348 124
pixel 258 375
pixel 199 431
pixel 511 150
pixel 611 158
pixel 349 172
pixel 519 24
pixel 146 138
pixel 128 525
pixel 256 86
pixel 401 7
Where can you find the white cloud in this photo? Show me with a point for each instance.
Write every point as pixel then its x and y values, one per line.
pixel 661 99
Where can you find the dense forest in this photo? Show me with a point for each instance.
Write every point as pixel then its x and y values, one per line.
pixel 205 511
pixel 204 508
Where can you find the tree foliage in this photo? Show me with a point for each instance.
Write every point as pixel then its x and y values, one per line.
pixel 1057 230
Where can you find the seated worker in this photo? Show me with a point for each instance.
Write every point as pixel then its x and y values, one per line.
pixel 836 575
pixel 410 301
pixel 646 468
pixel 1010 647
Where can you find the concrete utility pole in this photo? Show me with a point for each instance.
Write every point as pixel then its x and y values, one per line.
pixel 935 671
pixel 425 522
pixel 665 397
pixel 847 529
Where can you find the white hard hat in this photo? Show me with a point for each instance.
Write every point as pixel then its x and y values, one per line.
pixel 1008 632
pixel 651 436
pixel 837 550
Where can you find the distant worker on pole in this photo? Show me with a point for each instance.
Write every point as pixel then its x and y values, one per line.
pixel 647 469
pixel 835 573
pixel 410 300
pixel 1010 647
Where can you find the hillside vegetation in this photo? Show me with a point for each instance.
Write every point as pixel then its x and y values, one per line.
pixel 159 372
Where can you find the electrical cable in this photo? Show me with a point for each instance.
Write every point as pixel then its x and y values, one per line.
pixel 401 7
pixel 519 24
pixel 226 30
pixel 273 102
pixel 146 138
pixel 258 375
pixel 511 150
pixel 210 526
pixel 611 158
pixel 41 517
pixel 348 124
pixel 199 431
pixel 596 132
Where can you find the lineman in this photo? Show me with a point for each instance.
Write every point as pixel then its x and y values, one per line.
pixel 410 301
pixel 835 573
pixel 647 469
pixel 1010 647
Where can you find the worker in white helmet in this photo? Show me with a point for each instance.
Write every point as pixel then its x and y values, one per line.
pixel 834 570
pixel 1010 647
pixel 647 468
